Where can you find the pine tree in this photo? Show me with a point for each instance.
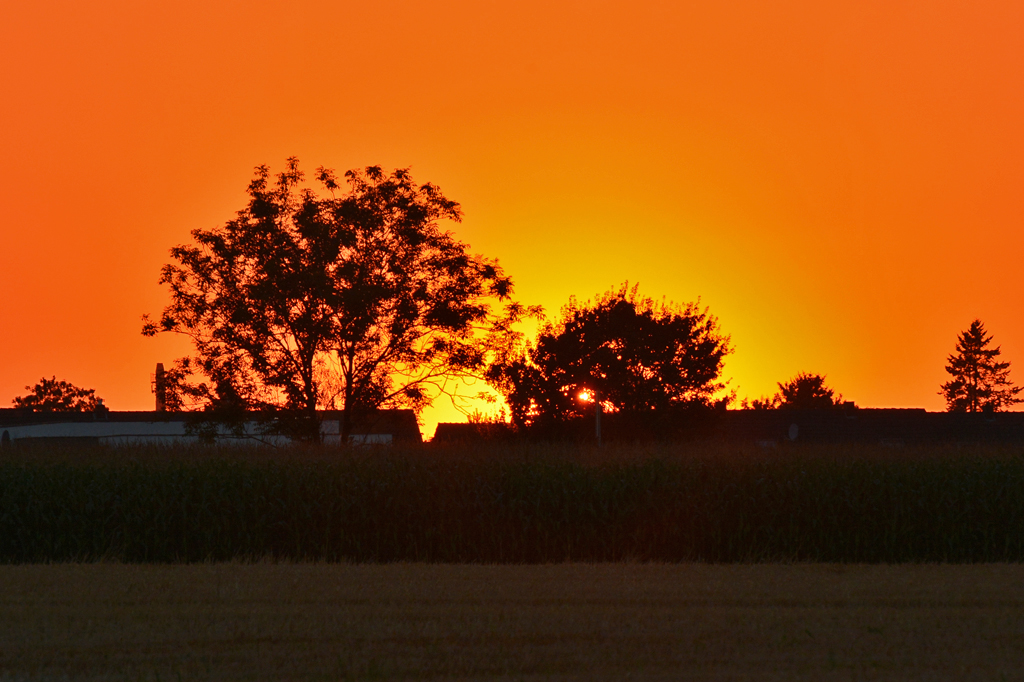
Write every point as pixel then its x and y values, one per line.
pixel 980 381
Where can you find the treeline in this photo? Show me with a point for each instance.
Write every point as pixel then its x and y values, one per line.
pixel 352 296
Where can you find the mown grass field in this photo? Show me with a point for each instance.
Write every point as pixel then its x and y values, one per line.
pixel 514 504
pixel 527 622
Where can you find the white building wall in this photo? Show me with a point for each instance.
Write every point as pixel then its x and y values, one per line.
pixel 170 432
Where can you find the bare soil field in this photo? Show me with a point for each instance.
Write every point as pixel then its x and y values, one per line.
pixel 619 621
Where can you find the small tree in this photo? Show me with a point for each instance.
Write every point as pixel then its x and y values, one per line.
pixel 635 353
pixel 980 381
pixel 354 299
pixel 807 392
pixel 51 395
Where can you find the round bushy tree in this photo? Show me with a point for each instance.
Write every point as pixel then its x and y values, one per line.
pixel 805 391
pixel 633 353
pixel 54 395
pixel 355 298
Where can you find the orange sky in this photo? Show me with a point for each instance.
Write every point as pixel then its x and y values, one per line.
pixel 842 183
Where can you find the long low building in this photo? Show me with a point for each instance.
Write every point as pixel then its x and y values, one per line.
pixel 885 425
pixel 383 427
pixel 846 424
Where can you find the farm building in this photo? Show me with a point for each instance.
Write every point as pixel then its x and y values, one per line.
pixel 462 432
pixel 844 425
pixel 886 425
pixel 109 427
pixel 381 427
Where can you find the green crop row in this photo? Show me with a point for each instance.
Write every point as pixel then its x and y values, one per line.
pixel 529 503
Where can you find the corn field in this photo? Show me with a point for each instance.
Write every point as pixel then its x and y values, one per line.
pixel 513 503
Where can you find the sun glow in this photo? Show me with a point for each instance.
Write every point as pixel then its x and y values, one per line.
pixel 806 168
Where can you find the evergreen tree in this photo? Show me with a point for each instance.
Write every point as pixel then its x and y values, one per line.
pixel 980 381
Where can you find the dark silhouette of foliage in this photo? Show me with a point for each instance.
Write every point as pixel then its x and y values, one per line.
pixel 178 392
pixel 637 354
pixel 763 403
pixel 980 382
pixel 805 391
pixel 52 395
pixel 354 297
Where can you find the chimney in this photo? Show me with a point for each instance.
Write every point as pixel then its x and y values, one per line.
pixel 160 388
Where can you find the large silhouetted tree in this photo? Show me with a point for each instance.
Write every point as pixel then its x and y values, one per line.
pixel 980 381
pixel 353 298
pixel 637 354
pixel 53 395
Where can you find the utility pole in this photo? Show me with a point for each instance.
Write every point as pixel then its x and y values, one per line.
pixel 597 417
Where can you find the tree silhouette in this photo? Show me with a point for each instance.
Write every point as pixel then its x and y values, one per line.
pixel 636 354
pixel 356 296
pixel 805 391
pixel 980 381
pixel 51 395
